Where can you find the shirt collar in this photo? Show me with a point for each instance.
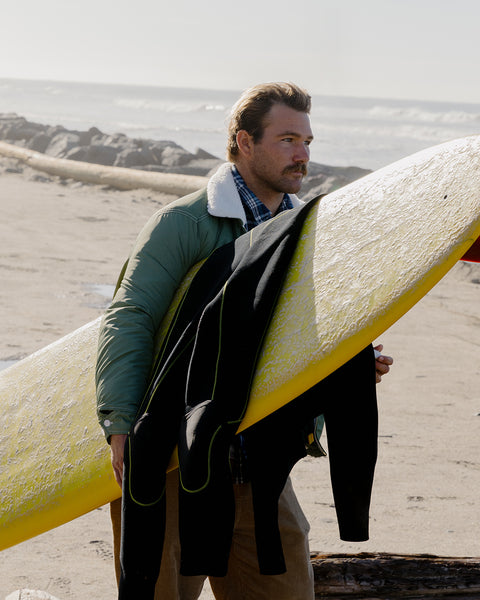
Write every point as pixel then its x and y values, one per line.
pixel 256 212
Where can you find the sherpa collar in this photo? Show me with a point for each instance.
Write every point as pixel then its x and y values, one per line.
pixel 224 199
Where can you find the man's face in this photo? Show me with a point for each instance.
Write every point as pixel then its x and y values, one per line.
pixel 279 159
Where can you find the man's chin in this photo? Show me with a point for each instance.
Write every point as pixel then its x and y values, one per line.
pixel 293 186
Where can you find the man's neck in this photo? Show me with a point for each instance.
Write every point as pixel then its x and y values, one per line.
pixel 273 204
pixel 270 198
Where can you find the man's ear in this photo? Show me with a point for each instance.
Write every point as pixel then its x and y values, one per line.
pixel 244 143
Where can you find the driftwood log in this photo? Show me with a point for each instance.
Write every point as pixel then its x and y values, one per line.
pixel 388 576
pixel 117 177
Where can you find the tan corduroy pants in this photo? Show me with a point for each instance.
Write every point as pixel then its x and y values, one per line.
pixel 243 580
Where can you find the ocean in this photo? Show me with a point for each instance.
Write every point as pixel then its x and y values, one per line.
pixel 362 132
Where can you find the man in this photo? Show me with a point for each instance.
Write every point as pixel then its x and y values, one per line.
pixel 268 149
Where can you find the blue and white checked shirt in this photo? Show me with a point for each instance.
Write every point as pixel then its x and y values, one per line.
pixel 256 212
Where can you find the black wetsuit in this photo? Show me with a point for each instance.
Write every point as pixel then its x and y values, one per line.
pixel 198 397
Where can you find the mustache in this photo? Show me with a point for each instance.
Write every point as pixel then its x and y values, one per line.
pixel 301 168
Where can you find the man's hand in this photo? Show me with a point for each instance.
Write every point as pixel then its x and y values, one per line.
pixel 382 363
pixel 117 446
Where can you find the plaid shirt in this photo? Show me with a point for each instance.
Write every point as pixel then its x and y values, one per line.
pixel 256 213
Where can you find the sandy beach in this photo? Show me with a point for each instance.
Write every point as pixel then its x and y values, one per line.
pixel 63 245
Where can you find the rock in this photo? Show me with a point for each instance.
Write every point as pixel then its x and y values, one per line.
pixel 203 154
pixel 53 130
pixel 137 157
pixel 119 140
pixel 175 156
pixel 39 142
pixel 323 179
pixel 22 133
pixel 96 154
pixel 18 128
pixel 158 148
pixel 41 178
pixel 87 136
pixel 62 143
pixel 25 594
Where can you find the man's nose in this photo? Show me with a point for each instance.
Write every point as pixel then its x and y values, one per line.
pixel 302 153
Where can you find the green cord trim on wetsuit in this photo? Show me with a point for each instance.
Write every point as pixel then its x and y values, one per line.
pixel 171 364
pixel 130 492
pixel 219 348
pixel 209 471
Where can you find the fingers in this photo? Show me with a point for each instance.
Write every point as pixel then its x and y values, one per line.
pixel 118 472
pixel 383 366
pixel 117 446
pixel 382 363
pixel 381 369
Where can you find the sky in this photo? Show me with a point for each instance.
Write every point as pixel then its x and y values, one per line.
pixel 416 49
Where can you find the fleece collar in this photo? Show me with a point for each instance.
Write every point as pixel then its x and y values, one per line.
pixel 223 197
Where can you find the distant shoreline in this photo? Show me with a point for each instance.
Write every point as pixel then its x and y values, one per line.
pixel 365 132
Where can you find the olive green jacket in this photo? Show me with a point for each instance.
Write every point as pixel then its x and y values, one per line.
pixel 174 239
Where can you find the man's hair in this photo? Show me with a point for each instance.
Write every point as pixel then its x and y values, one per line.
pixel 250 110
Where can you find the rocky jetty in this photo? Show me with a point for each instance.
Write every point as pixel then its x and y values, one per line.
pixel 94 146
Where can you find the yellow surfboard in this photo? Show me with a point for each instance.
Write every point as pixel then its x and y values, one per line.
pixel 367 253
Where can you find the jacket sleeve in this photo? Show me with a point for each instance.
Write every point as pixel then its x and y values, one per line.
pixel 164 251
